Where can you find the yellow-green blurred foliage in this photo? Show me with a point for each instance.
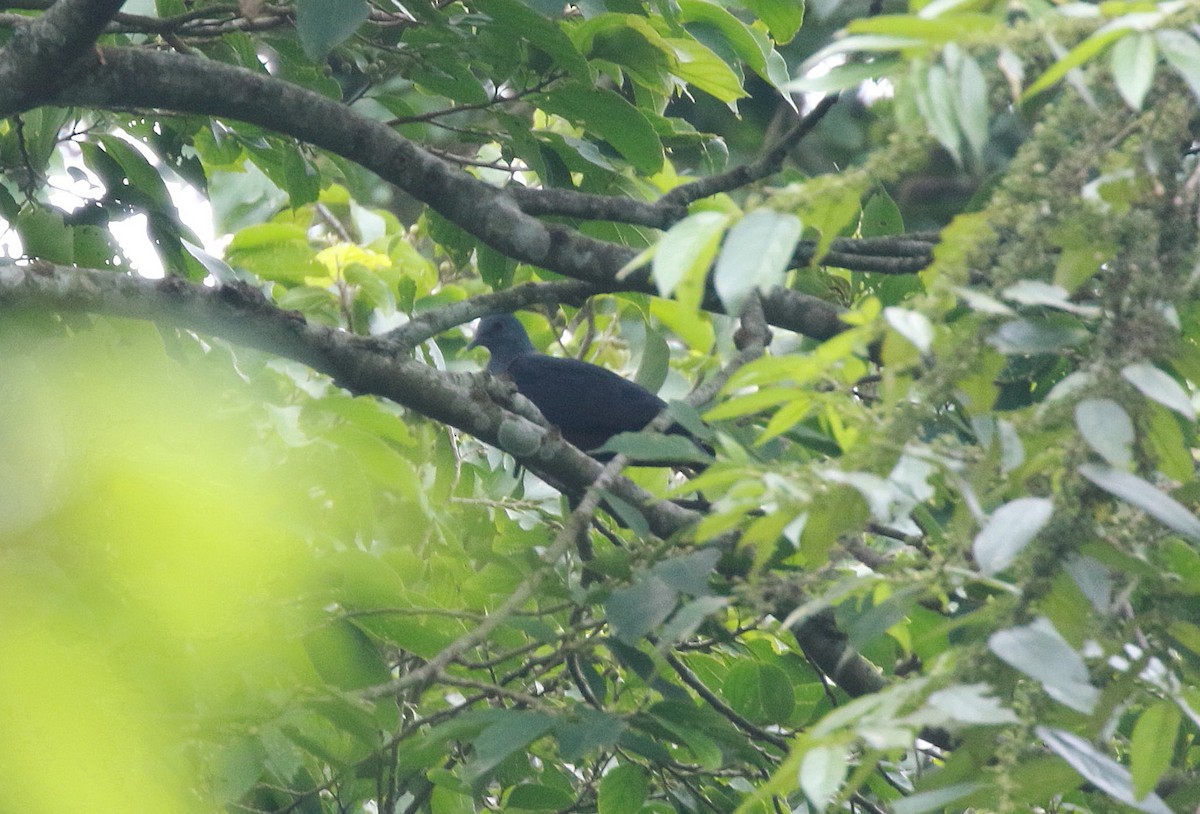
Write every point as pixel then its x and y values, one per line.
pixel 156 585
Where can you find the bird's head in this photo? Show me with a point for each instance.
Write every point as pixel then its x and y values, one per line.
pixel 505 337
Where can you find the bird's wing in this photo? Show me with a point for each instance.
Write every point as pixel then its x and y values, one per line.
pixel 580 397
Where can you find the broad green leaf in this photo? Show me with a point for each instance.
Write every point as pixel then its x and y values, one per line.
pixel 695 729
pixel 652 447
pixel 1132 489
pixel 140 175
pixel 537 797
pixel 324 24
pixel 1160 386
pixel 934 800
pixel 1107 429
pixel 275 251
pixel 783 19
pixel 522 22
pixel 684 256
pixel 937 101
pixel 912 325
pixel 1183 53
pixel 1041 653
pixel 821 773
pixel 607 114
pixel 759 692
pixel 749 45
pixel 45 236
pixel 514 731
pixel 700 67
pixel 1099 769
pixel 972 704
pixel 1030 336
pixel 1152 745
pixel 688 573
pixel 1036 292
pixel 635 611
pixel 1132 62
pixel 755 256
pixel 622 789
pixel 1010 528
pixel 880 216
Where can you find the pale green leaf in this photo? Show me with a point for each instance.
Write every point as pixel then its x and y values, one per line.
pixel 1132 489
pixel 1182 51
pixel 1152 745
pixel 1160 386
pixel 755 256
pixel 1099 769
pixel 1107 429
pixel 1041 653
pixel 1132 62
pixel 822 772
pixel 684 256
pixel 1010 528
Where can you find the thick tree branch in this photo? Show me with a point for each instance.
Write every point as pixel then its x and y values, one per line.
pixel 123 78
pixel 31 65
pixel 242 315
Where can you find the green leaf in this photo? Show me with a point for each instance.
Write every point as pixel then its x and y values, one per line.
pixel 937 100
pixel 622 789
pixel 670 449
pixel 684 255
pixel 1087 50
pixel 635 611
pixel 654 365
pixel 324 24
pixel 608 115
pixel 1152 745
pixel 535 797
pixel 1107 429
pixel 1099 769
pixel 521 22
pixel 755 256
pixel 934 800
pixel 783 18
pixel 514 731
pixel 822 771
pixel 912 325
pixel 1132 62
pixel 973 105
pixel 759 692
pixel 700 67
pixel 972 704
pixel 1183 53
pixel 1010 528
pixel 1132 489
pixel 43 235
pixel 275 251
pixel 880 216
pixel 1158 385
pixel 1041 653
pixel 140 175
pixel 1031 336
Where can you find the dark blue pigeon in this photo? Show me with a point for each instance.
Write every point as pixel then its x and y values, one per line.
pixel 587 403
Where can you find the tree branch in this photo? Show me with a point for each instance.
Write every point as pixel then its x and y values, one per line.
pixel 242 315
pixel 31 65
pixel 123 78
